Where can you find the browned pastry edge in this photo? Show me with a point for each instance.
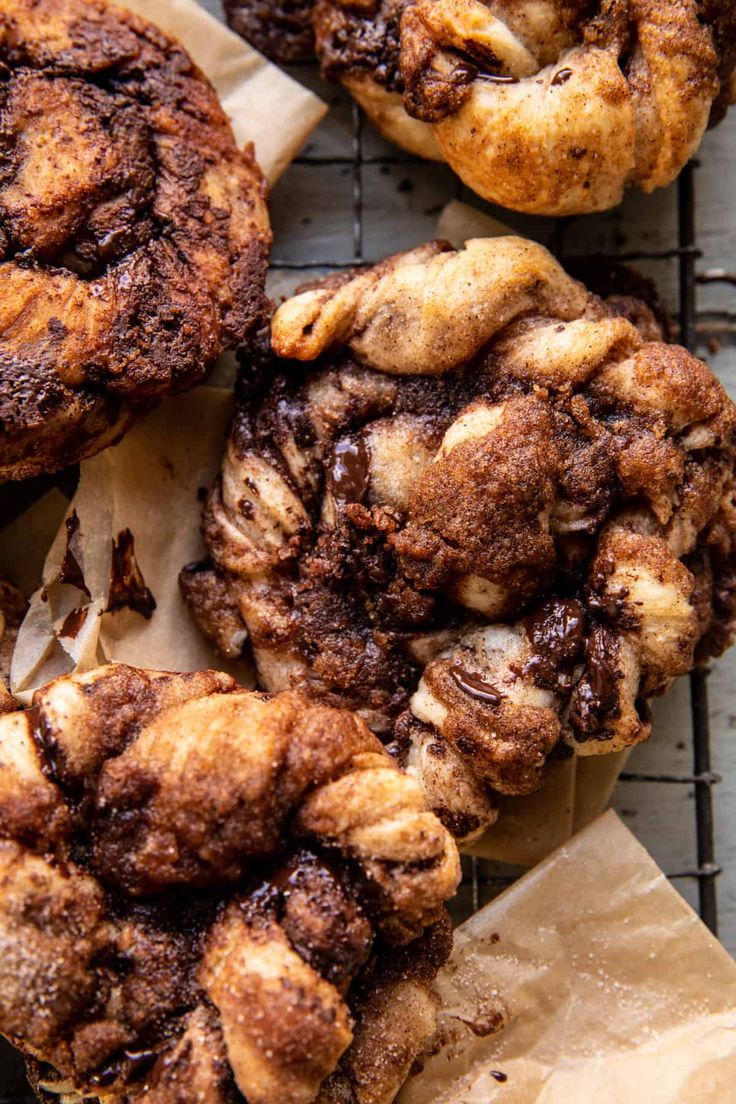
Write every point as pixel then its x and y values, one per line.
pixel 134 234
pixel 200 890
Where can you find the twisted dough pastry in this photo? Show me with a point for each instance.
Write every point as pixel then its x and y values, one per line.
pixel 202 887
pixel 546 106
pixel 133 232
pixel 485 510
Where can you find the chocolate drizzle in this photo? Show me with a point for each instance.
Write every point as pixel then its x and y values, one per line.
pixel 561 77
pixel 127 585
pixel 71 572
pixel 596 697
pixel 350 471
pixel 476 687
pixel 132 1065
pixel 73 623
pixel 556 631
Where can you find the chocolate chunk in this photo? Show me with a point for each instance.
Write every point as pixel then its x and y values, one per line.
pixel 127 585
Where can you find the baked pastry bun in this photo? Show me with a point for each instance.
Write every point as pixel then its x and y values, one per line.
pixel 133 232
pixel 211 895
pixel 478 504
pixel 552 107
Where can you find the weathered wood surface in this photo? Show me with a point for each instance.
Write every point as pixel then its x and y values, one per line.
pixel 313 219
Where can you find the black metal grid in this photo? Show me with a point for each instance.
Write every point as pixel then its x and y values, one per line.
pixel 484 879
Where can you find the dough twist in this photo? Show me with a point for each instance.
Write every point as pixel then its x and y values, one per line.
pixel 486 510
pixel 201 889
pixel 547 106
pixel 133 232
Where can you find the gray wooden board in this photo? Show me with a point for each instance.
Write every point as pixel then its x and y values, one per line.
pixel 312 212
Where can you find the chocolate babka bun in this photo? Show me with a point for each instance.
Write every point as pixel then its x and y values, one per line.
pixel 548 106
pixel 482 506
pixel 133 232
pixel 210 895
pixel 280 29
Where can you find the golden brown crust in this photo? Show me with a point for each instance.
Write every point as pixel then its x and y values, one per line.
pixel 482 508
pixel 198 883
pixel 133 232
pixel 538 105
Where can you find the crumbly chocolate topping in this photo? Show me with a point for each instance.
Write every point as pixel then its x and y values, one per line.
pixel 360 42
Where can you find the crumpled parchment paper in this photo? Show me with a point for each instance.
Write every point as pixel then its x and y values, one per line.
pixel 142 498
pixel 589 981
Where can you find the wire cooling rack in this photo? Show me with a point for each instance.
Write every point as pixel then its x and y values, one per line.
pixel 483 879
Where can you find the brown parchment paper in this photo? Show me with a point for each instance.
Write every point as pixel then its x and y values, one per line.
pixel 265 106
pixel 575 791
pixel 151 484
pixel 601 983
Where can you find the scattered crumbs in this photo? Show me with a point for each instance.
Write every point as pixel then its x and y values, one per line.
pixel 485 1021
